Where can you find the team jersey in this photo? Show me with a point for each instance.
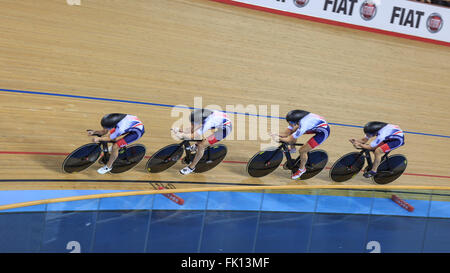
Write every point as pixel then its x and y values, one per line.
pixel 389 131
pixel 127 124
pixel 309 124
pixel 216 120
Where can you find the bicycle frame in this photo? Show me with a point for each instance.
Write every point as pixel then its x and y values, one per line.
pixel 186 144
pixel 289 161
pixel 284 147
pixel 104 146
pixel 366 154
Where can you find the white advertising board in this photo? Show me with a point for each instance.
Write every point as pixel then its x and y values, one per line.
pixel 402 17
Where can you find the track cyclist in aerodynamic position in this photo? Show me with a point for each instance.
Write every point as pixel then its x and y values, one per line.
pixel 202 121
pixel 388 138
pixel 303 122
pixel 122 129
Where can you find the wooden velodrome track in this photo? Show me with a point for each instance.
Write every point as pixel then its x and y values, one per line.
pixel 160 52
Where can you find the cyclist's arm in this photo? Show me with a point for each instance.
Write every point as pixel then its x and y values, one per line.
pixel 99 132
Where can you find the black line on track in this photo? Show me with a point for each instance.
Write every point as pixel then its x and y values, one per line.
pixel 131 181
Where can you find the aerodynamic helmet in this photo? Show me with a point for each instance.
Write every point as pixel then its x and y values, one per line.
pixel 110 121
pixel 199 115
pixel 371 128
pixel 295 116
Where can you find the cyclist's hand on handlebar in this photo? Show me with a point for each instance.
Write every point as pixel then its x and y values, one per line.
pixel 96 139
pixel 357 145
pixel 354 143
pixel 178 133
pixel 275 137
pixel 90 132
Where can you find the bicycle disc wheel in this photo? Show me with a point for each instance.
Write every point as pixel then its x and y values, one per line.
pixel 164 158
pixel 317 160
pixel 82 158
pixel 390 169
pixel 128 158
pixel 347 166
pixel 212 156
pixel 264 162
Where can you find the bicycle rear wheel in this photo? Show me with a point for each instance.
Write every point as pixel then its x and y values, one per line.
pixel 390 169
pixel 317 160
pixel 212 156
pixel 347 166
pixel 128 158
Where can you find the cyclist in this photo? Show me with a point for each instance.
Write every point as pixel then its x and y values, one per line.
pixel 122 129
pixel 303 122
pixel 388 138
pixel 202 121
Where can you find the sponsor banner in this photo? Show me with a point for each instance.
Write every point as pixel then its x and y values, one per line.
pixel 400 16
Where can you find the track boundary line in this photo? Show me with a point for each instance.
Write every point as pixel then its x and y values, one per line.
pixel 184 107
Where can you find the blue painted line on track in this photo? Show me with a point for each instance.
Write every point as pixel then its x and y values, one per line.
pixel 184 107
